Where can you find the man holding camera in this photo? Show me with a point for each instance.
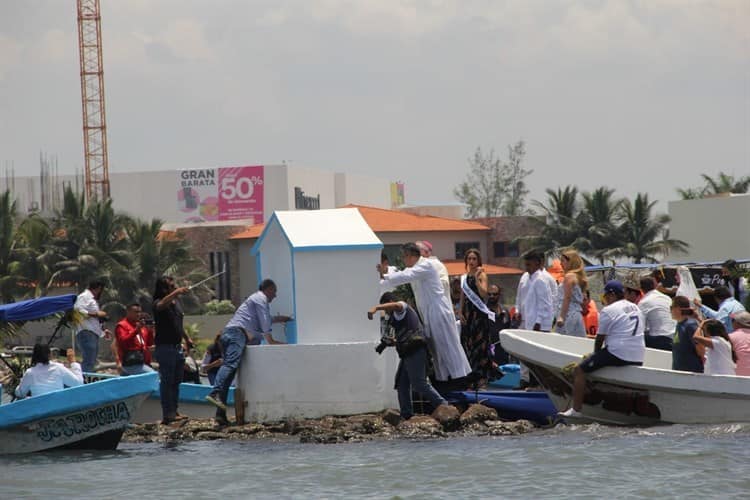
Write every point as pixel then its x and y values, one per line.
pixel 132 345
pixel 410 343
pixel 90 329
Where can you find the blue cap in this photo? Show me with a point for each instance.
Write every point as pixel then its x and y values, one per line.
pixel 614 286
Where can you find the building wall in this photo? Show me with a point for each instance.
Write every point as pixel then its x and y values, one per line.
pixel 445 211
pixel 443 243
pixel 715 228
pixel 204 240
pixel 153 194
pixel 276 264
pixel 362 190
pixel 334 291
pixel 506 229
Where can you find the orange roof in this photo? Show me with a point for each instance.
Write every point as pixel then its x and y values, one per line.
pixel 457 268
pixel 381 220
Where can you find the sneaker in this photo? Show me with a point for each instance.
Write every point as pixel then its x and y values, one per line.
pixel 215 400
pixel 570 412
pixel 221 421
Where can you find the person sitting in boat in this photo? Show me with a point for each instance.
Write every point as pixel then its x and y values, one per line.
pixel 686 355
pixel 212 359
pixel 621 333
pixel 411 346
pixel 46 376
pixel 720 357
pixel 740 338
pixel 728 305
pixel 132 347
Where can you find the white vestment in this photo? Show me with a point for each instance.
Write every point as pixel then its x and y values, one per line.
pixel 437 314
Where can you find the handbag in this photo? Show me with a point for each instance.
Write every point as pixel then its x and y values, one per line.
pixel 132 358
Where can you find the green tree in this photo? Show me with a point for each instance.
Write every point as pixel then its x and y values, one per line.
pixel 9 277
pixel 597 221
pixel 558 219
pixel 514 178
pixel 722 183
pixel 483 189
pixel 645 235
pixel 494 188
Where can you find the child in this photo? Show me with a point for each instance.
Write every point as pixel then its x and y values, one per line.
pixel 720 356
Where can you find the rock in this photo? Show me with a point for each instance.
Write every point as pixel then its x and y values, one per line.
pixel 478 413
pixel 420 426
pixel 392 417
pixel 500 428
pixel 247 429
pixel 199 426
pixel 448 416
pixel 210 435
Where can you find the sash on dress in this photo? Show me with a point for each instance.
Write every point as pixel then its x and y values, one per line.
pixel 475 299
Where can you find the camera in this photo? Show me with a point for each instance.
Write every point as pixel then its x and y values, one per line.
pixel 385 341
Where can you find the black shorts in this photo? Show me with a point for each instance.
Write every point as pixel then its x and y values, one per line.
pixel 603 358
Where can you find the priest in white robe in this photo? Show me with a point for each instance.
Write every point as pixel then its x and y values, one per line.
pixel 437 313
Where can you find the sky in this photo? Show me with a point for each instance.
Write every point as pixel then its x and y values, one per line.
pixel 637 95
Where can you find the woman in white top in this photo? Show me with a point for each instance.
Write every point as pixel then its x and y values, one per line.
pixel 720 357
pixel 570 295
pixel 46 376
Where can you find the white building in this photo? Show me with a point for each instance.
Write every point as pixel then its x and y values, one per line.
pixel 716 228
pixel 322 262
pixel 244 193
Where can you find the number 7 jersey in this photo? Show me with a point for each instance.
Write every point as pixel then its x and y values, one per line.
pixel 622 323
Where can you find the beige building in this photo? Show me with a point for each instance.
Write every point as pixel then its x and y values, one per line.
pixel 716 228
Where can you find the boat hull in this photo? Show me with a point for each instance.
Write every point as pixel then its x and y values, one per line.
pixel 631 395
pixel 510 405
pixel 96 428
pixel 192 404
pixel 89 416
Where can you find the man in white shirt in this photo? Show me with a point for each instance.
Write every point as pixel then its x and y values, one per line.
pixel 538 301
pixel 90 329
pixel 436 311
pixel 523 283
pixel 621 330
pixel 657 313
pixel 46 376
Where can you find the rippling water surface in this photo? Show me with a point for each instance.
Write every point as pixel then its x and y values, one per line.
pixel 583 461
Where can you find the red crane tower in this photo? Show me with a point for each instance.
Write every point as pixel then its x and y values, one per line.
pixel 92 99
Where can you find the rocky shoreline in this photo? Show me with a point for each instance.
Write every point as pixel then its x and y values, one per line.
pixel 446 421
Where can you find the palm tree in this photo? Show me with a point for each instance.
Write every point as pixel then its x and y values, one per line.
pixel 598 221
pixel 726 183
pixel 559 220
pixel 723 183
pixel 35 258
pixel 645 235
pixel 8 264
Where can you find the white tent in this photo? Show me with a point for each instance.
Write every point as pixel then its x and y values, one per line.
pixel 323 262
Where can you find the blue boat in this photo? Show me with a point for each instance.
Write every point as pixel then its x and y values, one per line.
pixel 90 416
pixel 534 406
pixel 192 403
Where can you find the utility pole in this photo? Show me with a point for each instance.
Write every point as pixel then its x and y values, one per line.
pixel 92 100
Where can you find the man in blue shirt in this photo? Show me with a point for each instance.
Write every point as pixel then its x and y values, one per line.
pixel 250 324
pixel 728 305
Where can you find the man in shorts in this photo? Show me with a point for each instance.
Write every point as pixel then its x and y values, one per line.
pixel 621 332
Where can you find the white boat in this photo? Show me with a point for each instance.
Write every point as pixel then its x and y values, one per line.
pixel 630 395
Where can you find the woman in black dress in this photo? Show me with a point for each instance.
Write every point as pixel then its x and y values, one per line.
pixel 475 323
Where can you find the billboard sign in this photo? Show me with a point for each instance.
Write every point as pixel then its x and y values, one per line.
pixel 217 194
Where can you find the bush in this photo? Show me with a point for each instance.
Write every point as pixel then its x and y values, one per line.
pixel 216 307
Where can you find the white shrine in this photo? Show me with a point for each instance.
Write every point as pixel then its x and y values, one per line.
pixel 323 263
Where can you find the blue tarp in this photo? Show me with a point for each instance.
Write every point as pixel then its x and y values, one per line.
pixel 29 310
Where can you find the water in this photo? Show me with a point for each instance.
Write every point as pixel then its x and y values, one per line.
pixel 578 461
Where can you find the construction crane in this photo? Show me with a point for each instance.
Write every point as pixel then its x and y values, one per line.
pixel 92 100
